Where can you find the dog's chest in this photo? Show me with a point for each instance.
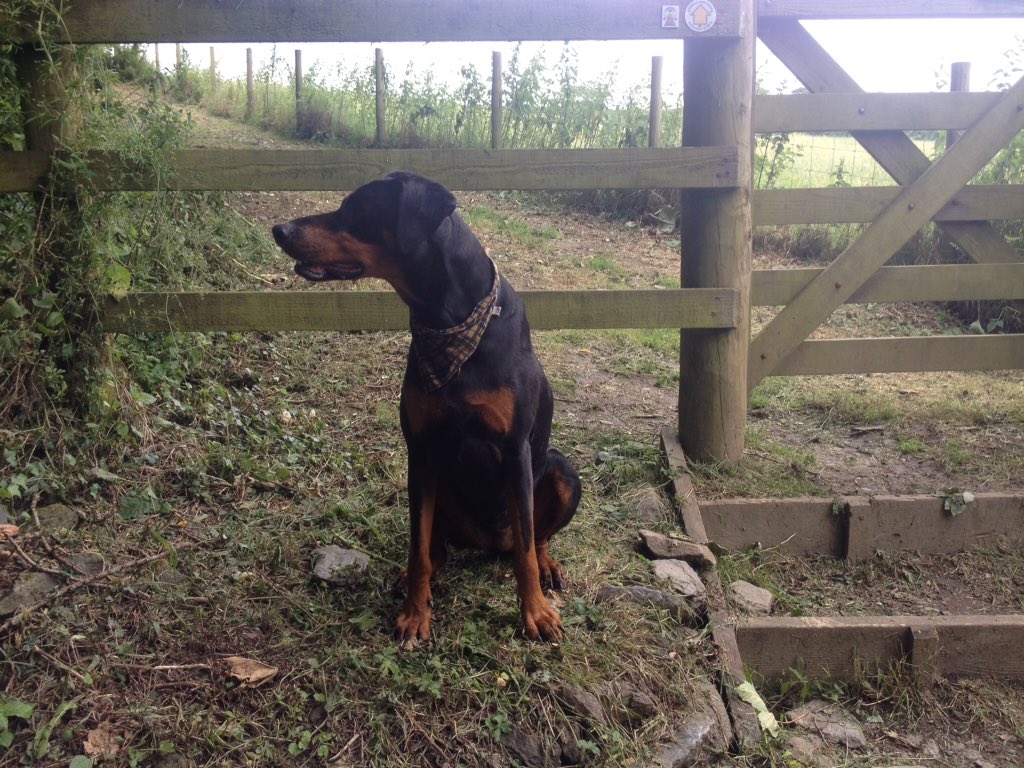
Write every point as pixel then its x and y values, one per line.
pixel 463 415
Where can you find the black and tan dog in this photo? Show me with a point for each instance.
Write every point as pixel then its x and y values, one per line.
pixel 476 406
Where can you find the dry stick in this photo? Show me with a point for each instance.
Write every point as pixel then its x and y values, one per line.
pixel 18 618
pixel 28 560
pixel 49 547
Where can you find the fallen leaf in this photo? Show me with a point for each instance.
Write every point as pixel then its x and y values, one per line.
pixel 249 672
pixel 7 529
pixel 101 741
pixel 767 720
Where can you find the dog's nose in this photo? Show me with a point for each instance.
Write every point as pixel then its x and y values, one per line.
pixel 283 232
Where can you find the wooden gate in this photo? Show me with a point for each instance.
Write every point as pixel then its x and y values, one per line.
pixel 719 363
pixel 929 191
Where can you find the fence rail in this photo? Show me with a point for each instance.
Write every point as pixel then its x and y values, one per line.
pixel 345 169
pixel 384 311
pixel 719 211
pixel 270 21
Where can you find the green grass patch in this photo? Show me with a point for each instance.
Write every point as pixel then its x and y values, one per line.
pixel 517 231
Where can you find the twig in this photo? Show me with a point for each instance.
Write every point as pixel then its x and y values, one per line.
pixel 165 667
pixel 58 663
pixel 18 618
pixel 28 560
pixel 49 547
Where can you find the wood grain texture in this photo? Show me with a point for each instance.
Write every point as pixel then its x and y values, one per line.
pixel 905 215
pixel 845 647
pixel 838 205
pixel 268 21
pixel 921 523
pixel 798 526
pixel 718 77
pixel 905 355
pixel 893 150
pixel 940 282
pixel 346 169
pixel 690 517
pixel 383 310
pixel 889 9
pixel 869 111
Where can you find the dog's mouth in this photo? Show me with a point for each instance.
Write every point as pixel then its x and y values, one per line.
pixel 342 270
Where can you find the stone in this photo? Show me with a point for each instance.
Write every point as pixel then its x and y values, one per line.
pixel 568 745
pixel 89 563
pixel 676 605
pixel 651 508
pixel 57 516
pixel 582 703
pixel 27 589
pixel 830 723
pixel 526 747
pixel 687 744
pixel 335 565
pixel 660 547
pixel 629 704
pixel 809 751
pixel 751 598
pixel 4 515
pixel 709 701
pixel 683 578
pixel 931 749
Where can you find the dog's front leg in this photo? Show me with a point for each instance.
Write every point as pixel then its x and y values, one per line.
pixel 413 622
pixel 540 620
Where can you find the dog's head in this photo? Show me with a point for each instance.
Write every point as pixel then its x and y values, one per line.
pixel 377 227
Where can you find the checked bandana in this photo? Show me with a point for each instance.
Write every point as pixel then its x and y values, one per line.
pixel 440 354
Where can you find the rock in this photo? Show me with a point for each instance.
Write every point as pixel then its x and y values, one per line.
pixel 28 588
pixel 526 747
pixel 651 508
pixel 808 751
pixel 629 704
pixel 751 598
pixel 709 701
pixel 675 605
pixel 686 745
pixel 705 732
pixel 568 745
pixel 582 703
pixel 931 749
pixel 4 515
pixel 660 547
pixel 683 578
pixel 337 566
pixel 57 516
pixel 89 563
pixel 830 723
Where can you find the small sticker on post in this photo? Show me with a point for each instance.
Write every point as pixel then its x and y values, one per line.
pixel 700 15
pixel 670 17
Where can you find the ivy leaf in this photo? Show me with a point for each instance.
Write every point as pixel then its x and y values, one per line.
pixel 118 281
pixel 12 310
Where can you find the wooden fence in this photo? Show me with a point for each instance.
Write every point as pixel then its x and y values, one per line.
pixel 719 361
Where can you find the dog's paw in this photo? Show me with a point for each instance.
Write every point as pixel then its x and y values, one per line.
pixel 552 575
pixel 542 622
pixel 413 624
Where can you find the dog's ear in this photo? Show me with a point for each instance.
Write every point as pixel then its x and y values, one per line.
pixel 422 206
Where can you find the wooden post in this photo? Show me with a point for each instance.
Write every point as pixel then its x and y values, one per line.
pixel 156 54
pixel 654 132
pixel 959 80
pixel 298 89
pixel 213 71
pixel 177 59
pixel 250 91
pixel 718 87
pixel 496 97
pixel 378 71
